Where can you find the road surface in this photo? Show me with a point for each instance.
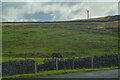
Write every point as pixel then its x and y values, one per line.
pixel 93 74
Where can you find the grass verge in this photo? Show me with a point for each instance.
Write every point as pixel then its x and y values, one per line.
pixel 54 72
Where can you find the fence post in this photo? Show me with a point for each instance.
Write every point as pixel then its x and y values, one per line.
pixel 73 62
pixel 56 64
pixel 92 58
pixel 35 67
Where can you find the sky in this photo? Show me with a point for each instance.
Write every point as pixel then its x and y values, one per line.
pixel 55 11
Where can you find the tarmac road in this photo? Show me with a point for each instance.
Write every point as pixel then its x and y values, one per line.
pixel 93 74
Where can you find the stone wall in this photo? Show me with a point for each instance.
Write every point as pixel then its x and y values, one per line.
pixel 18 67
pixel 98 62
pixel 28 66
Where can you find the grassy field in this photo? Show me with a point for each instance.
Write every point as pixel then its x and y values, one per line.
pixel 53 72
pixel 78 39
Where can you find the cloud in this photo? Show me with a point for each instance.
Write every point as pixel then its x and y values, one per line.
pixel 48 11
pixel 60 0
pixel 113 10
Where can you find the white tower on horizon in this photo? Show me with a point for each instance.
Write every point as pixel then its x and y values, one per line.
pixel 88 14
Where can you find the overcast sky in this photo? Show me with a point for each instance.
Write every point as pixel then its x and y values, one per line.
pixel 50 11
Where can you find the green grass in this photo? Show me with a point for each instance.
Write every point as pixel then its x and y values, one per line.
pixel 39 60
pixel 42 39
pixel 53 72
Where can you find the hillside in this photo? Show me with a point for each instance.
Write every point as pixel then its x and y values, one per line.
pixel 101 19
pixel 71 38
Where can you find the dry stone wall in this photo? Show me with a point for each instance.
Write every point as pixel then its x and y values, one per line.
pixel 18 67
pixel 28 66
